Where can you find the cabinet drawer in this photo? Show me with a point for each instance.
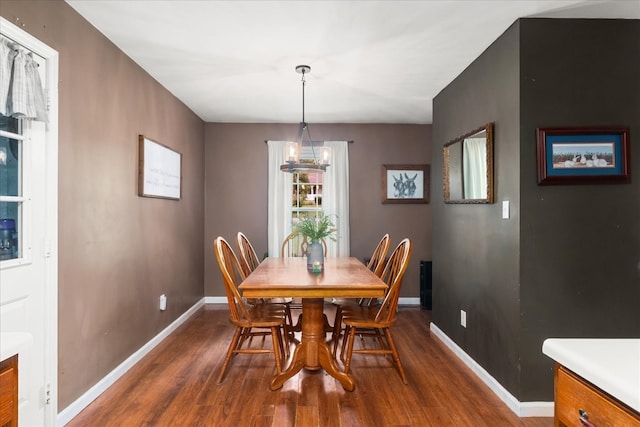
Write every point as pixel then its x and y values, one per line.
pixel 9 392
pixel 573 393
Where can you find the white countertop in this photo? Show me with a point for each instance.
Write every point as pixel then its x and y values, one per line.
pixel 12 343
pixel 612 365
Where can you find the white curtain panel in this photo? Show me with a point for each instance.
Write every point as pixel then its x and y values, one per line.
pixel 335 197
pixel 474 166
pixel 279 209
pixel 21 93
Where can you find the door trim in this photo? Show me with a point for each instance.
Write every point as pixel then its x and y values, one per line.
pixel 51 206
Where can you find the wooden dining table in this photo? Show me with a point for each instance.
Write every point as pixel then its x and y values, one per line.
pixel 288 278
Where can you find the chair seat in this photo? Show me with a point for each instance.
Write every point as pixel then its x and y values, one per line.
pixel 260 319
pixel 365 318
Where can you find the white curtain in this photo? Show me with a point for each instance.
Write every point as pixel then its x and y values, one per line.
pixel 335 196
pixel 279 208
pixel 21 93
pixel 474 165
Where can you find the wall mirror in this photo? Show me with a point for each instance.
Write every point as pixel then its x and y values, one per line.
pixel 468 167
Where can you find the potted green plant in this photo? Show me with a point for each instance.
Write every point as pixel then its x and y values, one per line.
pixel 315 229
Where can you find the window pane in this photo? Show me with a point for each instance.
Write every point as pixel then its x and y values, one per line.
pixel 10 185
pixel 9 227
pixel 10 159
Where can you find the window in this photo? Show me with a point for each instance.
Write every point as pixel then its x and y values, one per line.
pixel 306 191
pixel 289 199
pixel 13 196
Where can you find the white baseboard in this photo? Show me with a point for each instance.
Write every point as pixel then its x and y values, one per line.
pixel 223 300
pixel 215 300
pixel 521 409
pixel 68 413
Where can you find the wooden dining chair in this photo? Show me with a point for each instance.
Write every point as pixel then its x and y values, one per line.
pixel 377 321
pixel 248 257
pixel 258 321
pixel 376 264
pixel 297 245
pixel 249 261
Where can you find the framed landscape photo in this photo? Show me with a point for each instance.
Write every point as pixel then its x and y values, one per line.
pixel 160 170
pixel 583 155
pixel 405 184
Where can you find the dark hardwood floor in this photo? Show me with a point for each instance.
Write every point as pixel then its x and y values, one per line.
pixel 175 385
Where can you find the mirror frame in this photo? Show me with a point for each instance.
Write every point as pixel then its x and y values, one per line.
pixel 488 128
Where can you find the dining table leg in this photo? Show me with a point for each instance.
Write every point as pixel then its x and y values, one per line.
pixel 313 353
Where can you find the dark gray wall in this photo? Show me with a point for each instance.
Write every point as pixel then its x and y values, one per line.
pixel 475 252
pixel 566 264
pixel 580 244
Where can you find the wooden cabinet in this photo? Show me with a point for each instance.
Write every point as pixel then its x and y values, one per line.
pixel 573 395
pixel 9 392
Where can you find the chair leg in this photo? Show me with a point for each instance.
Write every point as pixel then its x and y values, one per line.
pixel 230 352
pixel 289 327
pixel 345 334
pixel 396 356
pixel 285 341
pixel 337 326
pixel 352 336
pixel 277 345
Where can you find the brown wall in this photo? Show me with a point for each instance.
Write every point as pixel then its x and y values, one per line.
pixel 236 188
pixel 117 252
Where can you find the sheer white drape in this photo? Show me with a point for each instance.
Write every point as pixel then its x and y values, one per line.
pixel 474 165
pixel 335 196
pixel 279 206
pixel 21 93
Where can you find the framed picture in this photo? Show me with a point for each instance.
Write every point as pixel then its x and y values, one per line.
pixel 405 184
pixel 583 155
pixel 160 170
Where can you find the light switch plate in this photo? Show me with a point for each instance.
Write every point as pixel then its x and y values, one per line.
pixel 505 209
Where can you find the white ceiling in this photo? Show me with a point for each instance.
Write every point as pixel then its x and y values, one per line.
pixel 371 61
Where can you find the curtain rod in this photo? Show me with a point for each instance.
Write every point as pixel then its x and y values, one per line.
pixel 312 142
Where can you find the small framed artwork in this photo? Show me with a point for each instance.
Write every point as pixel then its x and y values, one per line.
pixel 160 170
pixel 583 155
pixel 405 184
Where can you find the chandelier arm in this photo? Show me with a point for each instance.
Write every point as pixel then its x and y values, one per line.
pixel 313 150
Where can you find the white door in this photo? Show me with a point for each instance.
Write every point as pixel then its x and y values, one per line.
pixel 28 239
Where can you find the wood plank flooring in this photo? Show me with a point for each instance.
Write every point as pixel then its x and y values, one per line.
pixel 175 385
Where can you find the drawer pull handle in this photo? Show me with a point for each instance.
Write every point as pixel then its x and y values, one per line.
pixel 584 418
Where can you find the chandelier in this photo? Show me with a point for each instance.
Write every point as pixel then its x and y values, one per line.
pixel 292 154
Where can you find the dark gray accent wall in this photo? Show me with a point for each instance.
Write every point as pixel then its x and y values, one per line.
pixel 475 252
pixel 580 244
pixel 567 262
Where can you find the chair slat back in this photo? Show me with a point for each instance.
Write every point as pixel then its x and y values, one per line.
pixel 232 275
pixel 297 245
pixel 377 261
pixel 392 275
pixel 248 257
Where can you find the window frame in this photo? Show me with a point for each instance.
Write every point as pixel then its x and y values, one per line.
pixel 24 218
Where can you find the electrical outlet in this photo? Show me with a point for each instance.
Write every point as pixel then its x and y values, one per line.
pixel 463 318
pixel 163 302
